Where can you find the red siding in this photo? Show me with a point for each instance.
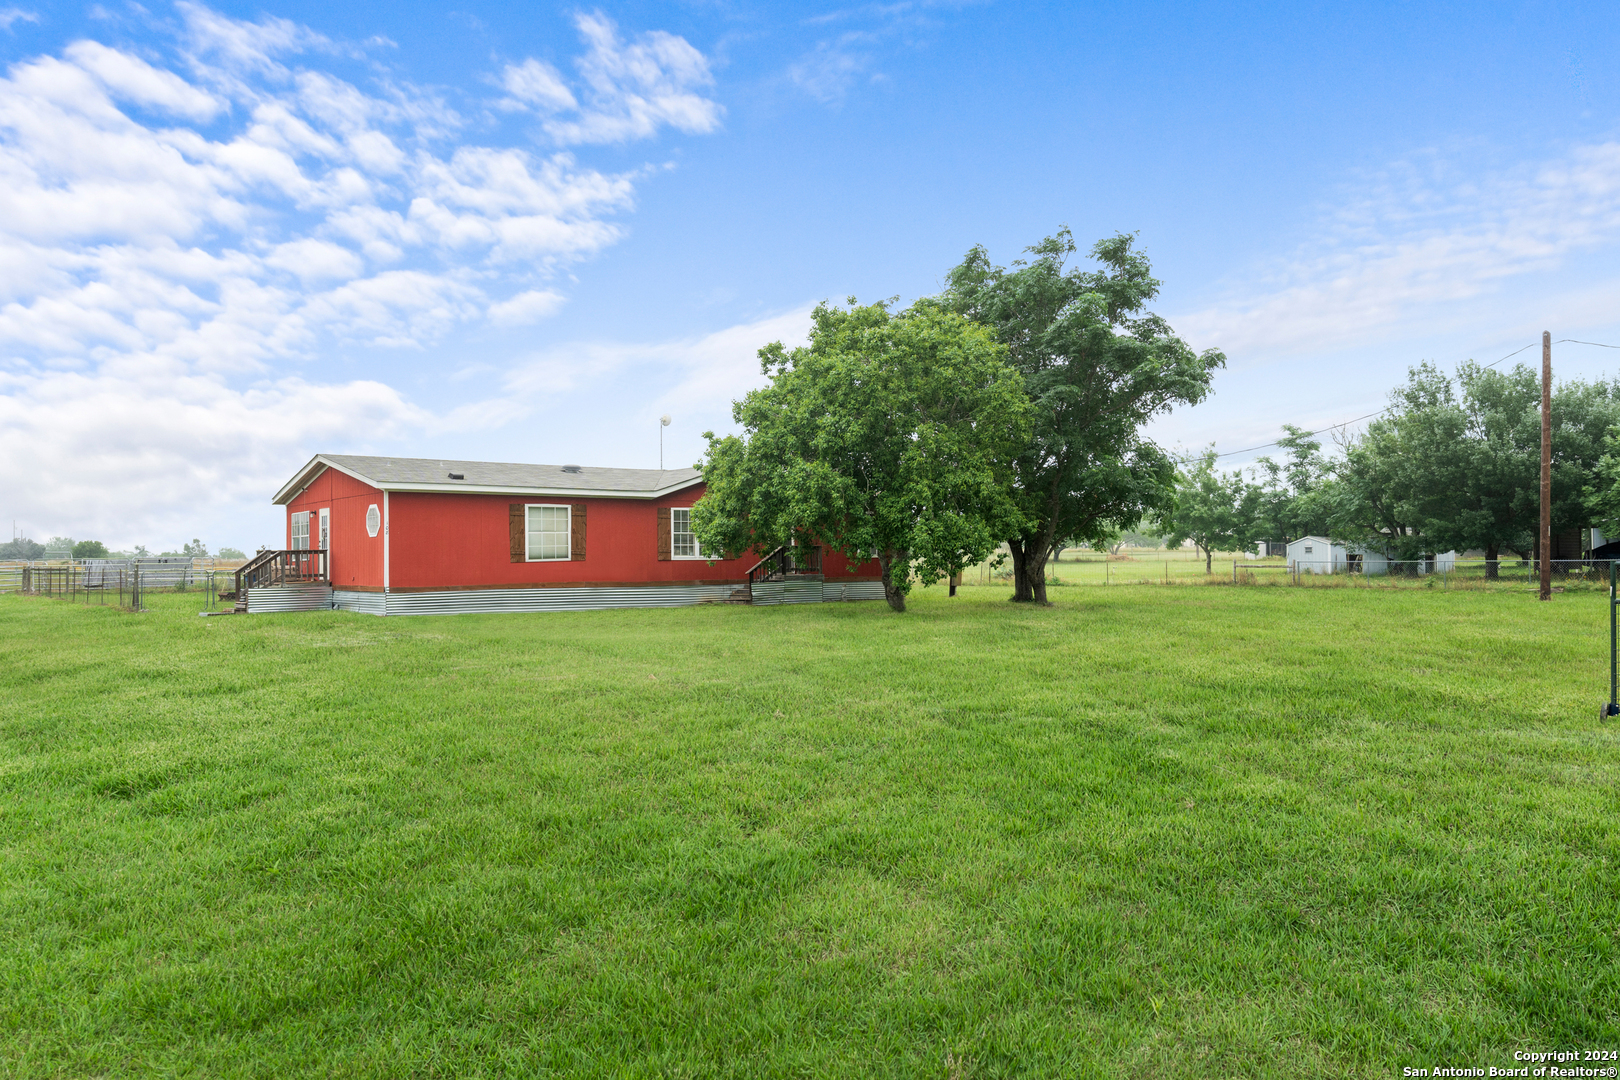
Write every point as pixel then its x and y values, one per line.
pixel 447 541
pixel 356 559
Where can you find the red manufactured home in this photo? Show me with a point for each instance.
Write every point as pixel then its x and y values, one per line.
pixel 403 536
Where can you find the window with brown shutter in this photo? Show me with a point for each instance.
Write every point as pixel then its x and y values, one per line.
pixel 576 538
pixel 518 530
pixel 663 534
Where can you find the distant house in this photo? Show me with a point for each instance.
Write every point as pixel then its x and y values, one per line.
pixel 1320 555
pixel 403 536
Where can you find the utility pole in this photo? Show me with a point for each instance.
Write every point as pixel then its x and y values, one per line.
pixel 1546 465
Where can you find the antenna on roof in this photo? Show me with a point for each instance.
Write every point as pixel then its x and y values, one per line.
pixel 663 422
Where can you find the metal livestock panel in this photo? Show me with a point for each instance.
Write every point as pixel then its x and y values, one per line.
pixel 852 590
pixel 485 601
pixel 363 603
pixel 302 597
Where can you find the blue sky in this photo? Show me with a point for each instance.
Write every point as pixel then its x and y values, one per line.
pixel 232 235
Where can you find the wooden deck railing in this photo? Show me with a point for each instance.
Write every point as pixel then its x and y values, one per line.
pixel 281 568
pixel 785 561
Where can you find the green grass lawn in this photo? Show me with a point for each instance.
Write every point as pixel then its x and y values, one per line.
pixel 1193 831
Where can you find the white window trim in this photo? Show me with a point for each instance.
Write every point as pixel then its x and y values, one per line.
pixel 292 538
pixel 697 547
pixel 568 532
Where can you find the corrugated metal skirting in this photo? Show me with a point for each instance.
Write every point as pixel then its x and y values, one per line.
pixel 852 590
pixel 583 598
pixel 301 597
pixel 363 603
pixel 792 591
pixel 472 601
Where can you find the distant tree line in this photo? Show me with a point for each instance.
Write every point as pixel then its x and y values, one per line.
pixel 1006 410
pixel 1453 464
pixel 24 548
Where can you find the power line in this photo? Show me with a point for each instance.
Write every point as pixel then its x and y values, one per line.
pixel 1318 431
pixel 1512 354
pixel 1347 423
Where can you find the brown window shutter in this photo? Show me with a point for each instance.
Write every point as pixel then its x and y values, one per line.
pixel 663 534
pixel 576 532
pixel 518 526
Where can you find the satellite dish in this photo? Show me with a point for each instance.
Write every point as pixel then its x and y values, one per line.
pixel 664 419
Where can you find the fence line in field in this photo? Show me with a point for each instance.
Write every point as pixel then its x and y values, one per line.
pixel 98 581
pixel 1441 573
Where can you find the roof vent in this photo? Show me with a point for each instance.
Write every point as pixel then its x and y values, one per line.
pixel 570 468
pixel 458 476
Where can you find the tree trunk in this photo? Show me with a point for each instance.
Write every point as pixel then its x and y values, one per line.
pixel 1029 571
pixel 1492 566
pixel 1209 560
pixel 1037 575
pixel 887 561
pixel 1023 592
pixel 1029 554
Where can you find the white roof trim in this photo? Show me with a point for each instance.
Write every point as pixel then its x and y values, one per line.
pixel 571 493
pixel 320 463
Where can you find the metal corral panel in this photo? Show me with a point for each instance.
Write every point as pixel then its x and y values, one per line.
pixel 852 590
pixel 584 598
pixel 307 596
pixel 363 603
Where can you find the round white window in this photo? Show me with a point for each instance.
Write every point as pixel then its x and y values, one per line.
pixel 373 520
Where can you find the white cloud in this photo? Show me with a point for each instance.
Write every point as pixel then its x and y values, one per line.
pixel 238 46
pixel 630 90
pixel 313 260
pixel 396 308
pixel 132 79
pixel 828 71
pixel 525 308
pixel 176 238
pixel 1424 248
pixel 535 85
pixel 705 372
pixel 12 14
pixel 150 446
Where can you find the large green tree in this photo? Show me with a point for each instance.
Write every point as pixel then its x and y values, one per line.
pixel 1096 366
pixel 1292 496
pixel 1213 509
pixel 1494 494
pixel 1456 464
pixel 1402 485
pixel 888 433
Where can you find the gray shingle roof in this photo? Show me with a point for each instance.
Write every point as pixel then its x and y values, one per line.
pixel 433 474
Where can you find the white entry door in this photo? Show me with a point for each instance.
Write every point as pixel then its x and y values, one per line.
pixel 326 542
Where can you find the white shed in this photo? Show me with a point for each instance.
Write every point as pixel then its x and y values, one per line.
pixel 1316 555
pixel 1319 555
